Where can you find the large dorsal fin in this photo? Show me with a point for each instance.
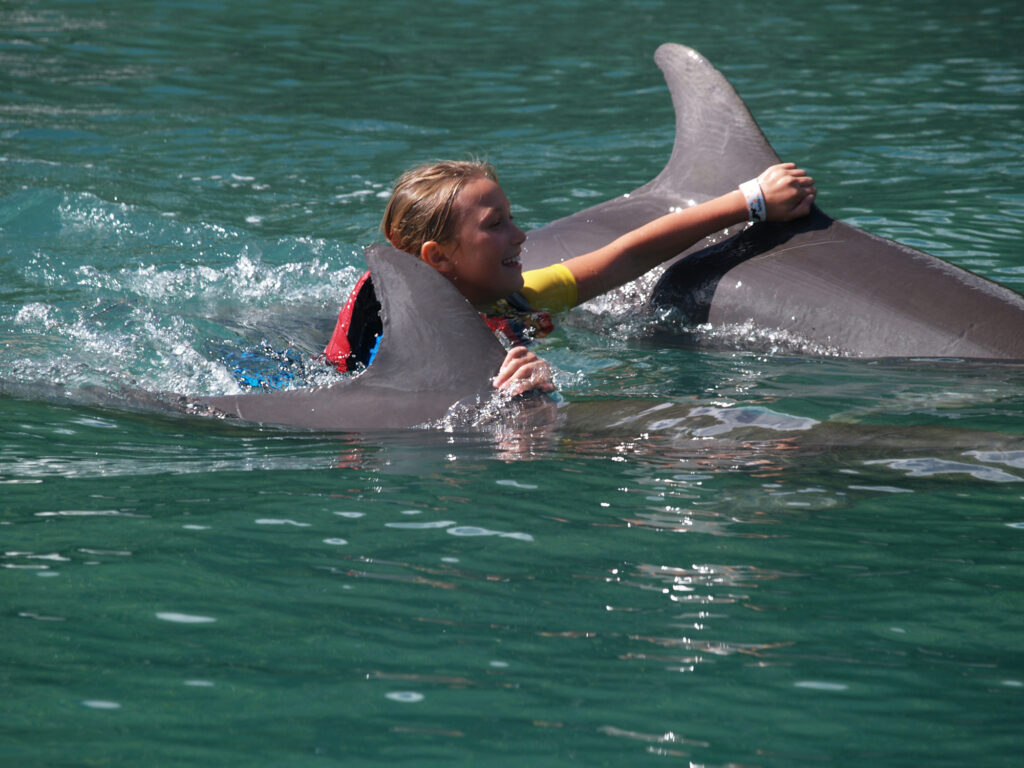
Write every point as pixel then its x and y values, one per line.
pixel 435 351
pixel 433 338
pixel 717 145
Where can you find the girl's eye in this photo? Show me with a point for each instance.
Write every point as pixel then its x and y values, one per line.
pixel 498 219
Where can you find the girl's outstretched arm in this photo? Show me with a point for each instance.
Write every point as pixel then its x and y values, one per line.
pixel 788 193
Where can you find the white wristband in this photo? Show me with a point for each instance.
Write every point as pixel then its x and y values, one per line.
pixel 756 207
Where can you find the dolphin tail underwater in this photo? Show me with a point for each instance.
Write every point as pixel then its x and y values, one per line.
pixel 824 282
pixel 435 353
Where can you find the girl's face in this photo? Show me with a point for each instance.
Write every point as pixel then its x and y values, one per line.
pixel 483 256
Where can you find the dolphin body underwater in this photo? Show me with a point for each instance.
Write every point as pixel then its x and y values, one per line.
pixel 821 280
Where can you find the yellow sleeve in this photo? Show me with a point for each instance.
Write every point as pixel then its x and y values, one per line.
pixel 550 288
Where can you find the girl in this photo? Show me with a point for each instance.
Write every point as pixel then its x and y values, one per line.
pixel 455 217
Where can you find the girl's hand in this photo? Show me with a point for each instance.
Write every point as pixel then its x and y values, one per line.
pixel 522 371
pixel 788 192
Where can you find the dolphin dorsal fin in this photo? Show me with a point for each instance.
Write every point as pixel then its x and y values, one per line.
pixel 718 143
pixel 717 146
pixel 435 351
pixel 433 338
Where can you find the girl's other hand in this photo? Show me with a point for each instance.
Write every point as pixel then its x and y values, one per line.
pixel 788 192
pixel 522 371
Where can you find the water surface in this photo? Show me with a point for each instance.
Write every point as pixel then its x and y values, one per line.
pixel 723 558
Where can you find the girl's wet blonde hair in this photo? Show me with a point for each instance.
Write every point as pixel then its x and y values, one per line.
pixel 420 208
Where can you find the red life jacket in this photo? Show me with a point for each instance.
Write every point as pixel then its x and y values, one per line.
pixel 357 333
pixel 358 330
pixel 518 322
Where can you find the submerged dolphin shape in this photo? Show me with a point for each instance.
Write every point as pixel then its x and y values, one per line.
pixel 828 284
pixel 435 353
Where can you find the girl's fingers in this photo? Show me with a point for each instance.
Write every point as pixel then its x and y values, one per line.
pixel 522 371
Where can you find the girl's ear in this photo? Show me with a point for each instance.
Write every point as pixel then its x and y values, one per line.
pixel 436 255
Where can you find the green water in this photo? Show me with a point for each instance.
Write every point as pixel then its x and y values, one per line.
pixel 770 560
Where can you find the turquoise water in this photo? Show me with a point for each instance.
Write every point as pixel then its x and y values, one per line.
pixel 731 558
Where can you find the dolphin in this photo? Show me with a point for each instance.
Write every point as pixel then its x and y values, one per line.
pixel 824 282
pixel 435 356
pixel 819 279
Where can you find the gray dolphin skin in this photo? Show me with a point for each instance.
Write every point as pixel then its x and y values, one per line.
pixel 832 286
pixel 434 354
